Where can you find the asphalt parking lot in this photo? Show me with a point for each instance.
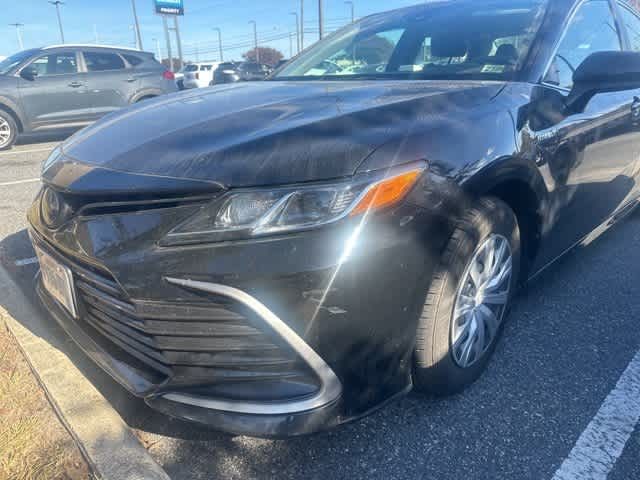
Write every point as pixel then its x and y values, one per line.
pixel 558 386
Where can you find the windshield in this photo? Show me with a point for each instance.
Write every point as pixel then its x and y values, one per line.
pixel 10 63
pixel 462 40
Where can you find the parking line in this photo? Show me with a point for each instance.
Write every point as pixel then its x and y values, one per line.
pixel 26 261
pixel 604 439
pixel 36 150
pixel 19 182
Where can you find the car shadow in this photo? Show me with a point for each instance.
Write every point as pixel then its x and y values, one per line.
pixel 37 138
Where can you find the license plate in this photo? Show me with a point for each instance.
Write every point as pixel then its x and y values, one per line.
pixel 58 281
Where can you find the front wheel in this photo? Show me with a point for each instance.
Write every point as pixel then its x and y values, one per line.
pixel 8 131
pixel 469 296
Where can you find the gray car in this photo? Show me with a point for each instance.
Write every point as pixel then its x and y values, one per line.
pixel 70 86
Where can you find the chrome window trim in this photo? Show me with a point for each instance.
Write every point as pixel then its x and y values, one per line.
pixel 556 47
pixel 330 388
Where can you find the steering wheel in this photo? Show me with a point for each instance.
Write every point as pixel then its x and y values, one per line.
pixel 333 67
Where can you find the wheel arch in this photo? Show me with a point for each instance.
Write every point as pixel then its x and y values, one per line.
pixel 520 185
pixel 12 110
pixel 145 94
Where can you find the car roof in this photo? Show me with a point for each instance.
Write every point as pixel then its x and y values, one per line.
pixel 93 46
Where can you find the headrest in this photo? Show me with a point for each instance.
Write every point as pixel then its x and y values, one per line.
pixel 448 46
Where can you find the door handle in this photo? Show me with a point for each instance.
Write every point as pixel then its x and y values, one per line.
pixel 130 80
pixel 76 84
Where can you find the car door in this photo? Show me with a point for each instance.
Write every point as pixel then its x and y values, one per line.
pixel 587 153
pixel 57 96
pixel 111 85
pixel 630 19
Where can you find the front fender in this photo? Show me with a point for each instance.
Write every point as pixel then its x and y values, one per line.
pixel 13 104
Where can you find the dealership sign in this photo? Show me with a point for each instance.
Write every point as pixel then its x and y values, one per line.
pixel 169 7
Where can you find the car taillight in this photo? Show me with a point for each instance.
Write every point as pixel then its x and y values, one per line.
pixel 168 75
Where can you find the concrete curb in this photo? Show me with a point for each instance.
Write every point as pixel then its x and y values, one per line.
pixel 103 437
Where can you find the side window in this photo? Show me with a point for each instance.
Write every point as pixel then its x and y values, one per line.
pixel 592 29
pixel 632 22
pixel 133 60
pixel 102 62
pixel 56 64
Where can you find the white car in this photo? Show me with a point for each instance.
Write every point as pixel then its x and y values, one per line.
pixel 199 75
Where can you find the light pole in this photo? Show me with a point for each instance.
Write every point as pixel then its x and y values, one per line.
pixel 301 25
pixel 320 19
pixel 353 11
pixel 255 40
pixel 297 31
pixel 135 18
pixel 18 33
pixel 57 3
pixel 158 52
pixel 219 42
pixel 291 45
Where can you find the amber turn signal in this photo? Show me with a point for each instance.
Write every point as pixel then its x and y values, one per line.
pixel 387 192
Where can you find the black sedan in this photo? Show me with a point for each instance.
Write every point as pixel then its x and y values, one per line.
pixel 279 257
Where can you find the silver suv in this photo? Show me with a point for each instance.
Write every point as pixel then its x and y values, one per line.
pixel 70 86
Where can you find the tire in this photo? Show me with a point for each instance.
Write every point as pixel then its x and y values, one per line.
pixel 439 367
pixel 8 130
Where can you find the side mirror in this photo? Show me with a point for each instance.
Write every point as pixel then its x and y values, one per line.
pixel 29 73
pixel 604 72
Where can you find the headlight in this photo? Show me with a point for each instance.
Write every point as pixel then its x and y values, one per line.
pixel 248 214
pixel 53 157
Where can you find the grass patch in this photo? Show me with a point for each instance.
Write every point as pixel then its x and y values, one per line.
pixel 33 443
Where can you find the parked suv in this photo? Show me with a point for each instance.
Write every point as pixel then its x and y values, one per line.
pixel 244 72
pixel 199 75
pixel 71 86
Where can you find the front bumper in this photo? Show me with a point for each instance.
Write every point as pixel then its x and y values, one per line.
pixel 274 337
pixel 192 83
pixel 271 419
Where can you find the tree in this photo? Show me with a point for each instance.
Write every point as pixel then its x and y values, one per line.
pixel 177 65
pixel 268 56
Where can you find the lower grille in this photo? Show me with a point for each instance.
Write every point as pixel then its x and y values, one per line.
pixel 183 345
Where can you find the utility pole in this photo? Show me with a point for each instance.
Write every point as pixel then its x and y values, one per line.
pixel 18 33
pixel 301 25
pixel 168 38
pixel 220 42
pixel 57 3
pixel 291 45
pixel 255 40
pixel 95 34
pixel 353 11
pixel 158 52
pixel 135 38
pixel 135 19
pixel 320 19
pixel 297 31
pixel 176 28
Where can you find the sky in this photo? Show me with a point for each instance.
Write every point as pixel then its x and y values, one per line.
pixel 110 22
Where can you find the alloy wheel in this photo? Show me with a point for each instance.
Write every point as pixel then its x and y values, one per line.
pixel 5 132
pixel 481 300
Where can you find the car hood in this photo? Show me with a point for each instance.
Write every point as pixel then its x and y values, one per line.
pixel 262 133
